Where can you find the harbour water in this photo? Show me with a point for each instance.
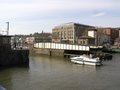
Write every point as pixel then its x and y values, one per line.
pixel 57 73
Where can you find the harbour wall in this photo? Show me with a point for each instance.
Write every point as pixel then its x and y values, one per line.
pixel 69 53
pixel 50 52
pixel 14 57
pixel 56 52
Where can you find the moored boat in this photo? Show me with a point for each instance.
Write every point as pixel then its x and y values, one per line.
pixel 86 60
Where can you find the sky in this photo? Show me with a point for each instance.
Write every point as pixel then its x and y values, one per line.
pixel 30 16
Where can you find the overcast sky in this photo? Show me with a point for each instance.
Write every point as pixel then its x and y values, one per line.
pixel 29 16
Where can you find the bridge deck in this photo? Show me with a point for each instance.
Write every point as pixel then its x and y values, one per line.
pixel 63 46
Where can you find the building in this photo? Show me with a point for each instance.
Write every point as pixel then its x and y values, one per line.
pixel 112 32
pixel 69 32
pixel 94 37
pixel 74 33
pixel 117 40
pixel 117 43
pixel 17 41
pixel 29 39
pixel 89 38
pixel 86 40
pixel 102 39
pixel 42 37
pixel 119 32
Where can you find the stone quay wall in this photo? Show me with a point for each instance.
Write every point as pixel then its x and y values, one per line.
pixel 50 52
pixel 13 57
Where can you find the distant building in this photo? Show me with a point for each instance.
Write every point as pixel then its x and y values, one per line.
pixel 89 38
pixel 42 37
pixel 102 39
pixel 86 40
pixel 29 39
pixel 119 32
pixel 117 43
pixel 94 37
pixel 17 41
pixel 112 32
pixel 69 32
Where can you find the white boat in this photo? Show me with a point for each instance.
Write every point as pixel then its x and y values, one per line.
pixel 88 60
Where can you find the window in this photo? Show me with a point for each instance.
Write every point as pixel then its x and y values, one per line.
pixel 83 42
pixel 80 42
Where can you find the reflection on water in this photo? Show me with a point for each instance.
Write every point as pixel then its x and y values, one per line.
pixel 56 73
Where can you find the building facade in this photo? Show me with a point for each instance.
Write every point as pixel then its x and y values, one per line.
pixel 29 39
pixel 42 37
pixel 69 32
pixel 89 38
pixel 119 33
pixel 117 43
pixel 94 37
pixel 102 39
pixel 113 33
pixel 74 33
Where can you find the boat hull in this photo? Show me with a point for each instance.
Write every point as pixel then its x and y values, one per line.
pixel 86 61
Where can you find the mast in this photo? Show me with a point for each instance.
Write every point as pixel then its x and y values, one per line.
pixel 7 28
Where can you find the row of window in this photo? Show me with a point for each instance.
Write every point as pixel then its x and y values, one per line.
pixel 64 34
pixel 62 27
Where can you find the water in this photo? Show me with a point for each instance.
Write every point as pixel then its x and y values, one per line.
pixel 56 73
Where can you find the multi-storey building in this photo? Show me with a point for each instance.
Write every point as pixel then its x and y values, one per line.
pixel 89 39
pixel 75 33
pixel 94 37
pixel 112 32
pixel 117 40
pixel 69 32
pixel 117 43
pixel 119 32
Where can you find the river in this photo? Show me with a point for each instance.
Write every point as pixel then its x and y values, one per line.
pixel 57 73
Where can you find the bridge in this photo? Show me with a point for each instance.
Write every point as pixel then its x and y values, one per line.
pixel 64 46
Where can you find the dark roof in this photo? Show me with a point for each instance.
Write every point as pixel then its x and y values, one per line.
pixel 73 23
pixel 92 29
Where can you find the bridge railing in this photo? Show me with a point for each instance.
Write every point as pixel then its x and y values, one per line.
pixel 61 46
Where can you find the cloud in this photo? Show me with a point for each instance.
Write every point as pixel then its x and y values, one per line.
pixel 53 11
pixel 99 14
pixel 45 5
pixel 27 7
pixel 20 9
